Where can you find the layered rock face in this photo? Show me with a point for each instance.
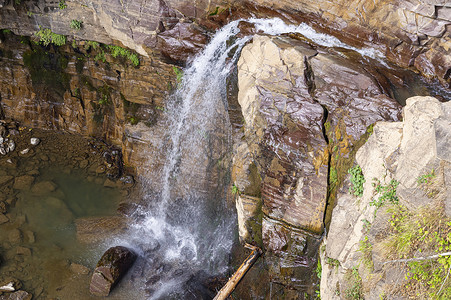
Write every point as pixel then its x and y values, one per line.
pixel 133 23
pixel 300 106
pixel 70 89
pixel 409 33
pixel 401 151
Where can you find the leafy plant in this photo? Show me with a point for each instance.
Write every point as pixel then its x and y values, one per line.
pixel 62 4
pixel 366 248
pixel 354 291
pixel 319 269
pixel 119 51
pixel 100 56
pixel 92 44
pixel 235 190
pixel 133 120
pixel 178 74
pixel 357 181
pixel 333 262
pixel 426 178
pixel 76 24
pixel 425 230
pixel 333 177
pixel 387 192
pixel 46 37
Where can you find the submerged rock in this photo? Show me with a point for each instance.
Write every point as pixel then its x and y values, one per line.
pixel 10 285
pixel 43 187
pixel 96 229
pixel 23 182
pixel 114 263
pixel 19 295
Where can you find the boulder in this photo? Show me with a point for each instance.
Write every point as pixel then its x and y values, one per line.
pixel 111 267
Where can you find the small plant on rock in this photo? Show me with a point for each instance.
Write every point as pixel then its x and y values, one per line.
pixel 75 24
pixel 46 37
pixel 235 190
pixel 357 181
pixel 354 291
pixel 62 4
pixel 387 192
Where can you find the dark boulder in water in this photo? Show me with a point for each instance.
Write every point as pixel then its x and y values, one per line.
pixel 114 263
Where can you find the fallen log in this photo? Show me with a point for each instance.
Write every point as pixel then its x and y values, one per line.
pixel 228 288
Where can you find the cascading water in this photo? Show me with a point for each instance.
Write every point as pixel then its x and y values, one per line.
pixel 186 227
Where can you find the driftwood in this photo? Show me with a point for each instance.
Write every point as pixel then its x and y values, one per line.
pixel 228 288
pixel 418 258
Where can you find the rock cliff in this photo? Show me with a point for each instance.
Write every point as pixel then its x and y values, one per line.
pixel 305 112
pixel 409 33
pixel 406 166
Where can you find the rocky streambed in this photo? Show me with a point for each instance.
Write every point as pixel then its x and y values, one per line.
pixel 58 208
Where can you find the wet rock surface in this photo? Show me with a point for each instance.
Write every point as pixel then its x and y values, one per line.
pixel 71 90
pixel 303 109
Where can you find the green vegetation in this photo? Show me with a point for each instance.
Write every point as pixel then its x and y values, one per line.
pixel 423 232
pixel 387 193
pixel 366 248
pixel 426 182
pixel 333 177
pixel 46 37
pixel 235 190
pixel 333 262
pixel 426 178
pixel 357 181
pixel 6 31
pixel 215 12
pixel 92 45
pixel 100 56
pixel 62 4
pixel 122 52
pixel 319 269
pixel 76 24
pixel 354 291
pixel 178 74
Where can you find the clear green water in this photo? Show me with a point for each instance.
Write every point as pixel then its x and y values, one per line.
pixel 46 223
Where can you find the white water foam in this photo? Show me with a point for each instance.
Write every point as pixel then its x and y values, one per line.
pixel 277 27
pixel 188 227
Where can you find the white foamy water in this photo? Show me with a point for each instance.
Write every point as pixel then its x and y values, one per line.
pixel 276 27
pixel 187 228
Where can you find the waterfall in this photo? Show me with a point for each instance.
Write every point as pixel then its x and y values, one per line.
pixel 187 228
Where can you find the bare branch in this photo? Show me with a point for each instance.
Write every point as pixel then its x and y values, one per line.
pixel 418 258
